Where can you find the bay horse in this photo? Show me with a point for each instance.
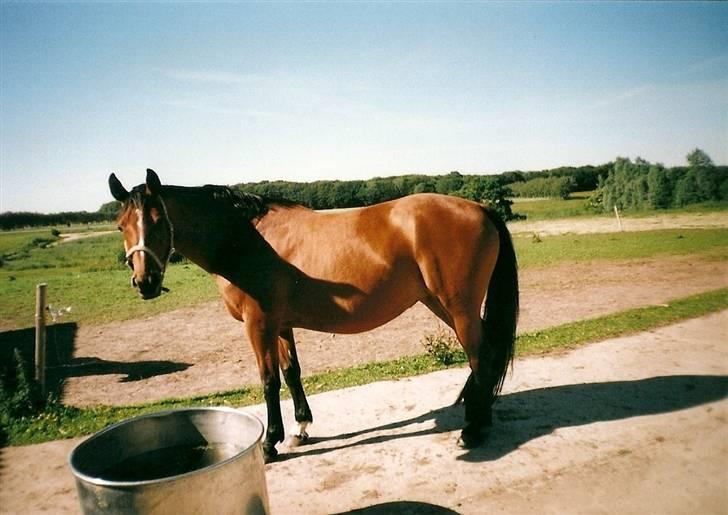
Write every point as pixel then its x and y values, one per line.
pixel 279 266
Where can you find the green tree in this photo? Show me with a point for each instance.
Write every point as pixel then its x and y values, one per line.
pixel 659 189
pixel 424 187
pixel 110 208
pixel 686 190
pixel 449 183
pixel 490 191
pixel 697 158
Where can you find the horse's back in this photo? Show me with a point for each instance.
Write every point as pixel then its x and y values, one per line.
pixel 379 240
pixel 380 232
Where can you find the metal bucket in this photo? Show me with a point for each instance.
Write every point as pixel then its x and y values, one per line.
pixel 197 460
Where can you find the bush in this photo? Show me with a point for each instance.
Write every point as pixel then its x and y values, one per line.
pixel 20 394
pixel 489 190
pixel 442 346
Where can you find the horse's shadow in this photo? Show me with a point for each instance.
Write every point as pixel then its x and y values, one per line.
pixel 527 415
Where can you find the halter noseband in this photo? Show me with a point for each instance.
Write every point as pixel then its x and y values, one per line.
pixel 143 248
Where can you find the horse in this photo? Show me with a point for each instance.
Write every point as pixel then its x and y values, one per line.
pixel 280 266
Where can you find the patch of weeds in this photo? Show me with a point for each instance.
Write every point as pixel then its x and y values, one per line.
pixel 20 395
pixel 442 346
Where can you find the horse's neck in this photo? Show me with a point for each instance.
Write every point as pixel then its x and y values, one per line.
pixel 220 245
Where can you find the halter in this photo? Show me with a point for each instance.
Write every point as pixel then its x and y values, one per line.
pixel 143 248
pixel 140 247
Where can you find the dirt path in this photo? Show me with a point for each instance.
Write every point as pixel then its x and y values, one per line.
pixel 629 425
pixel 67 237
pixel 610 224
pixel 201 349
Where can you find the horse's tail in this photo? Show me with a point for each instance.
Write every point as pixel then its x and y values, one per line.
pixel 500 315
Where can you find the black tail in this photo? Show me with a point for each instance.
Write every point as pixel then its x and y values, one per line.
pixel 499 322
pixel 501 310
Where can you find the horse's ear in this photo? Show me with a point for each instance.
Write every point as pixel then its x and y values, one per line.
pixel 154 185
pixel 117 190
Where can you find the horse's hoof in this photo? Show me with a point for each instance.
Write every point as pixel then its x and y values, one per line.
pixel 270 455
pixel 470 438
pixel 300 439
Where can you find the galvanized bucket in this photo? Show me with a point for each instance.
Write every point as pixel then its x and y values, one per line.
pixel 197 460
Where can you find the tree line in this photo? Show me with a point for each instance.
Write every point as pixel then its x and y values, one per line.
pixel 18 220
pixel 640 184
pixel 624 183
pixel 358 193
pixel 495 190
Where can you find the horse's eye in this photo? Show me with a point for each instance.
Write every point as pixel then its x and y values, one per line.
pixel 119 228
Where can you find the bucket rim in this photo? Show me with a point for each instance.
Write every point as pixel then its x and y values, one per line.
pixel 97 481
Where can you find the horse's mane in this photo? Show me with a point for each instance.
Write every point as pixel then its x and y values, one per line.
pixel 249 205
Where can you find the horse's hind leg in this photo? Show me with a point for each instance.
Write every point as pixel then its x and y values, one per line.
pixel 478 410
pixel 288 358
pixel 468 328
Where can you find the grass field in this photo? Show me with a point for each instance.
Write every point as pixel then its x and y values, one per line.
pixel 88 275
pixel 550 209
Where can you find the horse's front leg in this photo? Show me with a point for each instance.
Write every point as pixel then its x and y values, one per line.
pixel 265 345
pixel 292 374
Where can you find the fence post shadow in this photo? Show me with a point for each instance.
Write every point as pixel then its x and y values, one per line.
pixel 62 362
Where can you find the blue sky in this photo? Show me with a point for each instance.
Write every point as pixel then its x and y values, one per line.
pixel 231 92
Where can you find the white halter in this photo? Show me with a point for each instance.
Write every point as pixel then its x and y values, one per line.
pixel 143 248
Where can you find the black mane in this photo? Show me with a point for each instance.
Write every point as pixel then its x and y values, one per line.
pixel 249 205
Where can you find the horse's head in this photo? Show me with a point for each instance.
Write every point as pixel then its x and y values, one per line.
pixel 147 231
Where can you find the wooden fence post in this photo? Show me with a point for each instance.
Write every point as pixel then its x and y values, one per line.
pixel 619 220
pixel 40 336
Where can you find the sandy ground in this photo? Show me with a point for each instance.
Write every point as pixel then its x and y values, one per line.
pixel 607 224
pixel 202 349
pixel 629 425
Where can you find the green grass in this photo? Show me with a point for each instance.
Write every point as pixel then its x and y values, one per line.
pixel 13 241
pixel 551 250
pixel 87 255
pixel 551 209
pixel 98 297
pixel 66 422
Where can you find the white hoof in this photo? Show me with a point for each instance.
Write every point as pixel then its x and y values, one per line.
pixel 301 436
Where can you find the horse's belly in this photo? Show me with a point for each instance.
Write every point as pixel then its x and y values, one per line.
pixel 356 321
pixel 360 312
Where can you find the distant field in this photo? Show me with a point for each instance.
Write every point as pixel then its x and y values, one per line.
pixel 578 206
pixel 548 209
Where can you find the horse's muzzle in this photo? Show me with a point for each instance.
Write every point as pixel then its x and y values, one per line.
pixel 149 287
